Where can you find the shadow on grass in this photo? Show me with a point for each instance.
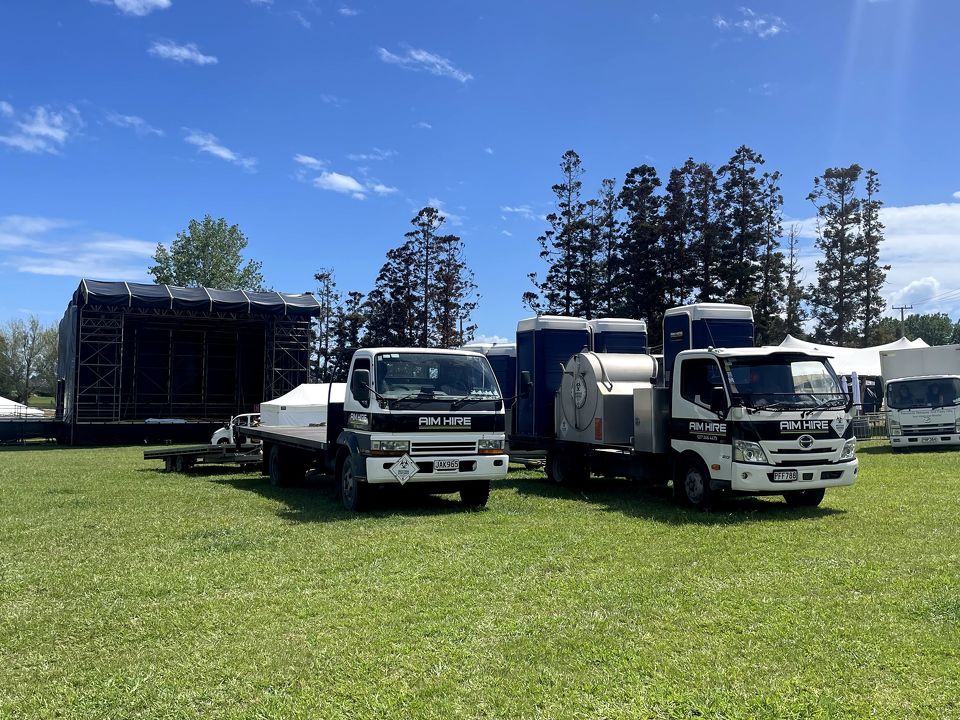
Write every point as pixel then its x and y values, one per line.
pixel 656 502
pixel 317 499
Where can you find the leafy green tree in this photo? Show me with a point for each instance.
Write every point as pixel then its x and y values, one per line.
pixel 324 324
pixel 955 338
pixel 392 306
pixel 562 247
pixel 456 297
pixel 933 328
pixel 605 224
pixel 208 254
pixel 744 205
pixel 835 297
pixel 348 331
pixel 885 330
pixel 676 276
pixel 872 275
pixel 29 357
pixel 639 270
pixel 708 231
pixel 771 292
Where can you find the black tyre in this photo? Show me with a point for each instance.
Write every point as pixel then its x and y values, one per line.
pixel 565 468
pixel 475 494
pixel 804 498
pixel 223 441
pixel 691 486
pixel 279 468
pixel 353 493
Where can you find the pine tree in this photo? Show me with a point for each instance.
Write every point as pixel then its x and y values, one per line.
pixel 745 213
pixel 639 272
pixel 392 306
pixel 835 297
pixel 607 226
pixel 795 313
pixel 455 295
pixel 324 322
pixel 562 246
pixel 708 230
pixel 424 246
pixel 676 259
pixel 347 331
pixel 872 275
pixel 770 294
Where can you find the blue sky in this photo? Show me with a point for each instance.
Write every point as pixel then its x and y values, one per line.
pixel 322 127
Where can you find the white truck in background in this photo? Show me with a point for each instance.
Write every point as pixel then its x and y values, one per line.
pixel 923 396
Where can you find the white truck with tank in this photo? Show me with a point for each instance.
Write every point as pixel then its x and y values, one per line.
pixel 423 418
pixel 923 396
pixel 712 414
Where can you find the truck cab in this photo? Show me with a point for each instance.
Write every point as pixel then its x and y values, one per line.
pixel 761 421
pixel 432 418
pixel 924 411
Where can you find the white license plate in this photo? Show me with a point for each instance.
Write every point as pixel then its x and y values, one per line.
pixel 784 475
pixel 446 464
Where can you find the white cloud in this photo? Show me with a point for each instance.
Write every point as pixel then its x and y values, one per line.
pixel 524 211
pixel 138 8
pixel 6 108
pixel 381 189
pixel 488 150
pixel 920 244
pixel 375 154
pixel 301 18
pixel 51 246
pixel 751 23
pixel 424 61
pixel 957 194
pixel 452 218
pixel 766 89
pixel 169 50
pixel 42 130
pixel 422 126
pixel 489 340
pixel 338 183
pixel 140 126
pixel 507 233
pixel 261 2
pixel 210 144
pixel 331 99
pixel 348 11
pixel 309 161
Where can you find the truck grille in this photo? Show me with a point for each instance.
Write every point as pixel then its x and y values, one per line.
pixel 948 429
pixel 442 448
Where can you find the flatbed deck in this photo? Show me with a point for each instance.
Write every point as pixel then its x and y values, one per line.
pixel 178 459
pixel 307 438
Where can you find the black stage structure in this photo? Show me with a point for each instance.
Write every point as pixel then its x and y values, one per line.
pixel 155 363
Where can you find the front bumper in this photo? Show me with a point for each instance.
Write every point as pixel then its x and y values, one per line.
pixel 471 467
pixel 747 477
pixel 913 441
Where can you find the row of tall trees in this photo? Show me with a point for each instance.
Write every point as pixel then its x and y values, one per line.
pixel 424 295
pixel 28 359
pixel 712 235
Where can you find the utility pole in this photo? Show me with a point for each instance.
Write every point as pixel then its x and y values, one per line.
pixel 901 309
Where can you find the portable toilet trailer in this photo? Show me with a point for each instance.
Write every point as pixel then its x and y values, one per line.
pixel 503 360
pixel 619 335
pixel 704 325
pixel 544 344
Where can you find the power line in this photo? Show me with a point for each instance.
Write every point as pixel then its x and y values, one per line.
pixel 902 308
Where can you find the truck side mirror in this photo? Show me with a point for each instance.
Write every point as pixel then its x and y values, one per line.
pixel 525 383
pixel 718 401
pixel 360 386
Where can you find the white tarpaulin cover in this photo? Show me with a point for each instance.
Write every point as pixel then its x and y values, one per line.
pixel 9 408
pixel 865 362
pixel 303 406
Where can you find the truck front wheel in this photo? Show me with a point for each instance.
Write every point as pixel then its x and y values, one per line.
pixel 353 493
pixel 475 494
pixel 804 498
pixel 691 486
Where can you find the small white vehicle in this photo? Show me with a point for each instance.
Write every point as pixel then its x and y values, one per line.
pixel 923 396
pixel 226 435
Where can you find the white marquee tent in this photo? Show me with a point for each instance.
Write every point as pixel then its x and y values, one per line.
pixel 303 406
pixel 9 408
pixel 863 361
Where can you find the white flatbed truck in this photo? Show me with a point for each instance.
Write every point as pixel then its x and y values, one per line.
pixel 409 417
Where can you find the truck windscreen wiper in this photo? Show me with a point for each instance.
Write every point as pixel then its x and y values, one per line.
pixel 470 398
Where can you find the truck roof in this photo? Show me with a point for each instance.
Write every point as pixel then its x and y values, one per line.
pixel 411 350
pixel 924 377
pixel 765 351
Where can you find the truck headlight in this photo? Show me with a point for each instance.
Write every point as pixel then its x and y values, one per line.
pixel 894 428
pixel 490 447
pixel 392 446
pixel 956 425
pixel 849 449
pixel 749 452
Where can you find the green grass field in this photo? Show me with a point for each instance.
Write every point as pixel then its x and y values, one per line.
pixel 126 592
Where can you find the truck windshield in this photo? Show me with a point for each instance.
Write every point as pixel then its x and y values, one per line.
pixel 782 382
pixel 435 376
pixel 923 393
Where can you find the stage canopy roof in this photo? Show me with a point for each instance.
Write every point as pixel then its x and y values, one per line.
pixel 171 297
pixel 863 361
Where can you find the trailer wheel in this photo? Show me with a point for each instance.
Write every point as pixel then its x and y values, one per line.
pixel 691 486
pixel 277 467
pixel 804 498
pixel 353 493
pixel 223 441
pixel 475 494
pixel 565 468
pixel 180 464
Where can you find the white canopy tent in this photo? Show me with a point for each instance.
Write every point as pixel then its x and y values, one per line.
pixel 12 409
pixel 865 362
pixel 303 406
